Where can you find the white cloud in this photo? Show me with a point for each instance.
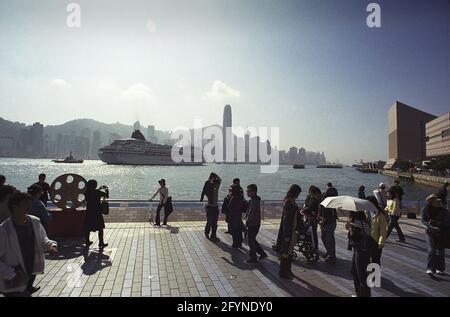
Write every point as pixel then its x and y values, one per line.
pixel 138 92
pixel 59 83
pixel 151 26
pixel 220 90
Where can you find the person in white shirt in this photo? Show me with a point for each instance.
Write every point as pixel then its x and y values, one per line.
pixel 23 242
pixel 163 192
pixel 380 195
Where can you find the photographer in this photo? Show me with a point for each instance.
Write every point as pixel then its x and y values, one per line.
pixel 94 212
pixel 361 242
pixel 435 218
pixel 211 191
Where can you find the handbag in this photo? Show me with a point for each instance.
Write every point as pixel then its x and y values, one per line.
pixel 104 207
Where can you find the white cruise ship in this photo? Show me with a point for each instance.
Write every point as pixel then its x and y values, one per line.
pixel 138 151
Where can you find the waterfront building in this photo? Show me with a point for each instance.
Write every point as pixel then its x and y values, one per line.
pixel 438 136
pixel 227 135
pixel 406 128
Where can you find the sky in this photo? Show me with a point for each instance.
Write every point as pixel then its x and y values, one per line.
pixel 313 68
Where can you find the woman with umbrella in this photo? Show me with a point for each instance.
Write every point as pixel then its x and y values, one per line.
pixel 359 236
pixel 287 235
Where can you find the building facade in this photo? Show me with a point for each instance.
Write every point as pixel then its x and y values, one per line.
pixel 438 136
pixel 407 141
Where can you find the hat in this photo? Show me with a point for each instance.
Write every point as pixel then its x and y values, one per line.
pixel 162 180
pixel 382 185
pixel 432 198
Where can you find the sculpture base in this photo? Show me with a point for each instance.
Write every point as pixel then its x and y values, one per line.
pixel 66 223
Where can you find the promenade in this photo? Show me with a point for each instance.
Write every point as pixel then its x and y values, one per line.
pixel 142 260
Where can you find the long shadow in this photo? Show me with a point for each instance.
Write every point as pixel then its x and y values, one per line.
pixel 95 261
pixel 238 257
pixel 389 286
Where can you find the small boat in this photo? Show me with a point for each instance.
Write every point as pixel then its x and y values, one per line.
pixel 69 159
pixel 299 166
pixel 330 166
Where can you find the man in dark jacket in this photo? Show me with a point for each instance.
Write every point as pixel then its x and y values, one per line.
pixel 327 221
pixel 211 191
pixel 236 206
pixel 253 224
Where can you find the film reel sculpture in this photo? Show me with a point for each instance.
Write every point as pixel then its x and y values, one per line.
pixel 67 191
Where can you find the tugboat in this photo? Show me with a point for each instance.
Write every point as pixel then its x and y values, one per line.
pixel 69 159
pixel 330 166
pixel 299 166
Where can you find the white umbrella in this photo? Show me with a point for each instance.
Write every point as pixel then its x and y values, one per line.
pixel 348 203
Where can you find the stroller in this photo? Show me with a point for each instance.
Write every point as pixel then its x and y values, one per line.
pixel 305 241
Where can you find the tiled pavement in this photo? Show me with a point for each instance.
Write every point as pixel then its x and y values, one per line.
pixel 142 260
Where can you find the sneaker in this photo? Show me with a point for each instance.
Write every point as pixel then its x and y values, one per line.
pixel 354 295
pixel 430 272
pixel 165 224
pixel 34 289
pixel 440 272
pixel 103 245
pixel 252 261
pixel 263 256
pixel 235 246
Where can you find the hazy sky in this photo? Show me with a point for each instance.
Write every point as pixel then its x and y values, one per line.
pixel 312 68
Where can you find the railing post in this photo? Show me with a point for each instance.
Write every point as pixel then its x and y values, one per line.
pixel 262 210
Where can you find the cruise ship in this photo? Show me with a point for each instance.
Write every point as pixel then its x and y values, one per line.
pixel 138 151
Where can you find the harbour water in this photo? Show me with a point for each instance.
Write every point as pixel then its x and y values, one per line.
pixel 186 182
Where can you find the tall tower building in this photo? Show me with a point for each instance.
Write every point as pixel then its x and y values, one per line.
pixel 227 135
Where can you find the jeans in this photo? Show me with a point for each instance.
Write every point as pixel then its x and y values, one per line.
pixel 436 257
pixel 212 216
pixel 360 261
pixel 328 238
pixel 158 215
pixel 314 233
pixel 255 248
pixel 236 233
pixel 393 223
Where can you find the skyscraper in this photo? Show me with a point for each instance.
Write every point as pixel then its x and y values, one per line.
pixel 227 135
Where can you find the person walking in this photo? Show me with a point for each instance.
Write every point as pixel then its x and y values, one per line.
pixel 225 203
pixel 393 210
pixel 94 217
pixel 287 232
pixel 6 191
pixel 23 242
pixel 442 194
pixel 38 208
pixel 381 195
pixel 361 192
pixel 327 221
pixel 211 191
pixel 236 206
pixel 435 219
pixel 163 192
pixel 399 191
pixel 45 188
pixel 378 230
pixel 360 241
pixel 253 223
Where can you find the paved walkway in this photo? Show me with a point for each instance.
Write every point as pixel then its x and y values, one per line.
pixel 178 261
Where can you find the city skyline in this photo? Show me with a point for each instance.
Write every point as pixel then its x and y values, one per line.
pixel 310 68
